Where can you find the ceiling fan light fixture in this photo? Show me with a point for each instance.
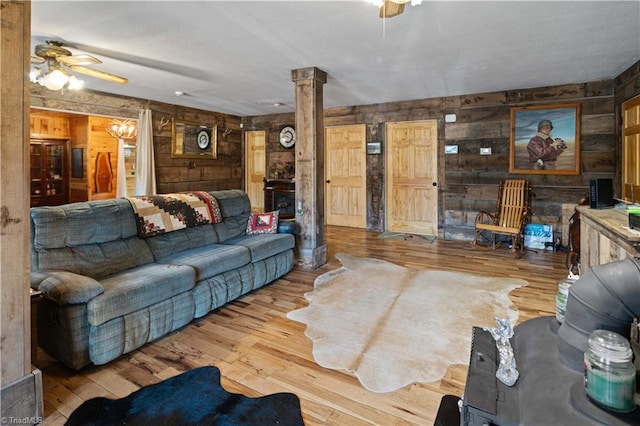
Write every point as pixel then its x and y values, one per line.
pixel 55 79
pixel 34 75
pixel 56 62
pixel 75 83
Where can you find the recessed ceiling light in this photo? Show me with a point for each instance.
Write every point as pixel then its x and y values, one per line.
pixel 278 104
pixel 179 93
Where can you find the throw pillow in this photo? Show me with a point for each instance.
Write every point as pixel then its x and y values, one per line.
pixel 263 223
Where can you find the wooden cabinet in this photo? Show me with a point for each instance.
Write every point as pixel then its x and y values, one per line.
pixel 49 172
pixel 631 150
pixel 605 237
pixel 280 194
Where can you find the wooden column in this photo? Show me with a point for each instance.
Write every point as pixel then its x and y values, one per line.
pixel 309 147
pixel 21 394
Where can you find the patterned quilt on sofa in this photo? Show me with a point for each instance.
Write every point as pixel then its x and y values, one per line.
pixel 159 214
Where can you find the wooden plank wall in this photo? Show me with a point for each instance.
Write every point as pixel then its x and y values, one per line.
pixel 206 174
pixel 272 124
pixel 468 182
pixel 172 174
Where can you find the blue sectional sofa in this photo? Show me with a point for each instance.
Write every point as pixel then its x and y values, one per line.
pixel 107 291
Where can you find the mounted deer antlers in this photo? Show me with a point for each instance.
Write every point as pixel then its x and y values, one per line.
pixel 163 123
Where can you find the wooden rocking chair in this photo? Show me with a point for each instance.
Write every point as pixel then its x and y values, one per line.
pixel 512 214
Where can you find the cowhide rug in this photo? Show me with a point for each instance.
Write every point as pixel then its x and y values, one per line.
pixel 392 326
pixel 193 398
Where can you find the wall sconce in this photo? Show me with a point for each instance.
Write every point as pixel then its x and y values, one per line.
pixel 122 129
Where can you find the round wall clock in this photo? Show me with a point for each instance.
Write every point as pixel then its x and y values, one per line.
pixel 287 137
pixel 203 139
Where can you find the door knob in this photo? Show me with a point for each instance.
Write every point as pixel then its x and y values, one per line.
pixel 434 183
pixel 328 180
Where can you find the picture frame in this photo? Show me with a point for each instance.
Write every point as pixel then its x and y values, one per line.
pixel 374 148
pixel 193 140
pixel 524 158
pixel 450 149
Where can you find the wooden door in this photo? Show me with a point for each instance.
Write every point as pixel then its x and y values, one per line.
pixel 255 168
pixel 411 177
pixel 346 176
pixel 631 150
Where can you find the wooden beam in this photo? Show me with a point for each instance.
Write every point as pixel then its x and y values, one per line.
pixel 309 157
pixel 21 394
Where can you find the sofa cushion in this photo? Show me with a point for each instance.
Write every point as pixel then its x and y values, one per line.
pixel 184 239
pixel 235 207
pixel 263 223
pixel 94 238
pixel 134 289
pixel 74 224
pixel 94 260
pixel 211 260
pixel 262 246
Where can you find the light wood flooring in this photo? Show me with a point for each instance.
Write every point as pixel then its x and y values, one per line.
pixel 259 351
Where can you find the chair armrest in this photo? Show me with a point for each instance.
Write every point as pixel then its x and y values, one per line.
pixel 485 217
pixel 66 288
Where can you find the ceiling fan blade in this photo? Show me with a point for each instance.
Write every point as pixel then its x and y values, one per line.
pixel 99 74
pixel 389 9
pixel 78 60
pixel 36 60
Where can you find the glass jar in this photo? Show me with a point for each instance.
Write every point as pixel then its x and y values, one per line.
pixel 610 376
pixel 561 298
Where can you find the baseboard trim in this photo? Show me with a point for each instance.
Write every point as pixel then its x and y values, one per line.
pixel 22 401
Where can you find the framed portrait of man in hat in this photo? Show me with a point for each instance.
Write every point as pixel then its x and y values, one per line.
pixel 545 140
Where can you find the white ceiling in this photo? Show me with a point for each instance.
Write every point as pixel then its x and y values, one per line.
pixel 236 57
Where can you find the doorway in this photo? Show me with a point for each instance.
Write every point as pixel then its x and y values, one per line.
pixel 92 159
pixel 411 177
pixel 255 168
pixel 346 176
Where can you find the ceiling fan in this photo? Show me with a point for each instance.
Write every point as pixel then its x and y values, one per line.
pixel 391 8
pixel 57 60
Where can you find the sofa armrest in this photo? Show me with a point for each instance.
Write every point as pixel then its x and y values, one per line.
pixel 66 288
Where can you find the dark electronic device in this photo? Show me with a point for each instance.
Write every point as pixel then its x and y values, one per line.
pixel 601 193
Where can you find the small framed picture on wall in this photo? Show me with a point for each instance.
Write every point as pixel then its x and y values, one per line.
pixel 374 148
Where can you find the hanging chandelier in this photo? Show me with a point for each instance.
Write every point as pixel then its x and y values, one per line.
pixel 122 129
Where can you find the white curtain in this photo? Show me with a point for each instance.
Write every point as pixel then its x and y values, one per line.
pixel 145 165
pixel 121 180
